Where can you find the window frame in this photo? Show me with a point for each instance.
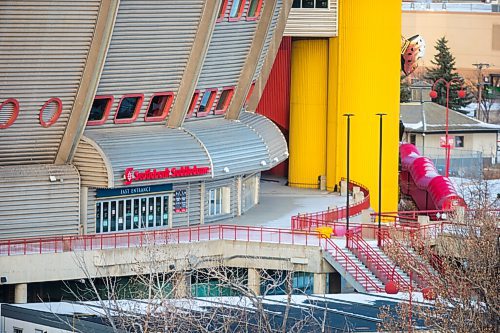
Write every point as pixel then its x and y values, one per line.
pixel 107 109
pixel 455 141
pixel 222 201
pixel 14 114
pixel 257 10
pixel 136 110
pixel 166 109
pixel 192 105
pixel 227 102
pixel 222 11
pixel 315 2
pixel 56 114
pixel 241 9
pixel 210 102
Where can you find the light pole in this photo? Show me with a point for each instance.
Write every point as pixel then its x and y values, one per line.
pixel 434 94
pixel 380 177
pixel 348 115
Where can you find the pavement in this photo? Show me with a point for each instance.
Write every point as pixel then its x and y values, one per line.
pixel 279 202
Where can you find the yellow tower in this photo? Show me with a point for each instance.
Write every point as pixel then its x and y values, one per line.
pixel 364 72
pixel 308 112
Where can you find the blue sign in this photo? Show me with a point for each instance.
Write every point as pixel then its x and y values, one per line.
pixel 118 192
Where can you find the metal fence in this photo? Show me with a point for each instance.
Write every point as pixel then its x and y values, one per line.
pixel 463 163
pixel 450 7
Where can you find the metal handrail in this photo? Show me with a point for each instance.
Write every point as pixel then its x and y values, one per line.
pixel 349 264
pixel 373 260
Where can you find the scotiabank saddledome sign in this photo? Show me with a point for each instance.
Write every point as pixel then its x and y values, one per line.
pixel 132 175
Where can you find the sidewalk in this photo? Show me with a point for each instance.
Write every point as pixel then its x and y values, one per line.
pixel 278 203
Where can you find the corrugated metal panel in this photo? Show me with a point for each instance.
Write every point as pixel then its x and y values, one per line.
pixel 91 165
pixel 275 100
pixel 91 200
pixel 308 112
pixel 313 22
pixel 43 49
pixel 231 145
pixel 32 205
pixel 269 37
pixel 149 49
pixel 228 182
pixel 192 216
pixel 270 133
pixel 227 53
pixel 158 147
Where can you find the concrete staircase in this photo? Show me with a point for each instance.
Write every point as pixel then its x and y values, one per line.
pixel 397 269
pixel 351 268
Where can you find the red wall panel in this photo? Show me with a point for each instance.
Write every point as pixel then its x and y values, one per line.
pixel 275 100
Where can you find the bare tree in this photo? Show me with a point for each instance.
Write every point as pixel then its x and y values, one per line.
pixel 463 286
pixel 156 299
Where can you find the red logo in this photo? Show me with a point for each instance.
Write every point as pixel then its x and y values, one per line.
pixel 130 175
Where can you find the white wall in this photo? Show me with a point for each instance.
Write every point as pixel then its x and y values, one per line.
pixel 28 327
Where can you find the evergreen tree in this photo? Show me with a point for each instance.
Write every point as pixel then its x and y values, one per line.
pixel 404 90
pixel 444 63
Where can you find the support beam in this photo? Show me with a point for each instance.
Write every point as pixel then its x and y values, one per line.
pixel 194 64
pixel 319 284
pixel 181 285
pixel 246 76
pixel 21 293
pixel 89 81
pixel 260 84
pixel 254 281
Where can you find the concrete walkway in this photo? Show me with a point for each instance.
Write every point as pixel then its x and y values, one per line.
pixel 279 202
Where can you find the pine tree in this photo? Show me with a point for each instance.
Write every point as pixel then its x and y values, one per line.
pixel 444 63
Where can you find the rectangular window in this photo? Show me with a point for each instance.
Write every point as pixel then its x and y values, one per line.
pixel 224 100
pixel 206 102
pixel 413 139
pixel 222 10
pixel 319 4
pixel 459 141
pixel 100 110
pixel 236 10
pixel 18 330
pixel 254 9
pixel 128 109
pixel 159 106
pixel 194 101
pixel 218 201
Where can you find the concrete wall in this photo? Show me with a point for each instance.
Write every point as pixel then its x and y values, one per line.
pixel 470 36
pixel 125 262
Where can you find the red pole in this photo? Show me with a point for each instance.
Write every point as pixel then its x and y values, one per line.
pixel 447 146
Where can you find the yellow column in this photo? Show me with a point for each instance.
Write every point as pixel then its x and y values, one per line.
pixel 308 112
pixel 364 80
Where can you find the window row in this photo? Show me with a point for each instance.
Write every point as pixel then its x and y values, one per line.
pixel 159 106
pixel 237 9
pixel 202 104
pixel 49 112
pixel 323 4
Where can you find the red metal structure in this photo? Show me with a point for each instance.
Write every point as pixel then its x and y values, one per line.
pixel 420 180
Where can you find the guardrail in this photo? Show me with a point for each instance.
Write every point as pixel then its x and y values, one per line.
pixel 358 274
pixel 330 217
pixel 368 256
pixel 157 237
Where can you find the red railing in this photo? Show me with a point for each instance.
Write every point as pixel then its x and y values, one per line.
pixel 331 217
pixel 357 273
pixel 368 256
pixel 421 271
pixel 157 237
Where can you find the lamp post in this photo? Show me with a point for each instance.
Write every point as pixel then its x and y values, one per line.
pixel 434 94
pixel 380 178
pixel 348 115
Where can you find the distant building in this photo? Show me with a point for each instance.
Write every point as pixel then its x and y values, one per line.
pixel 425 127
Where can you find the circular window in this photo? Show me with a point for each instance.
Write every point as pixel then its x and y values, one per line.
pixel 50 112
pixel 9 110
